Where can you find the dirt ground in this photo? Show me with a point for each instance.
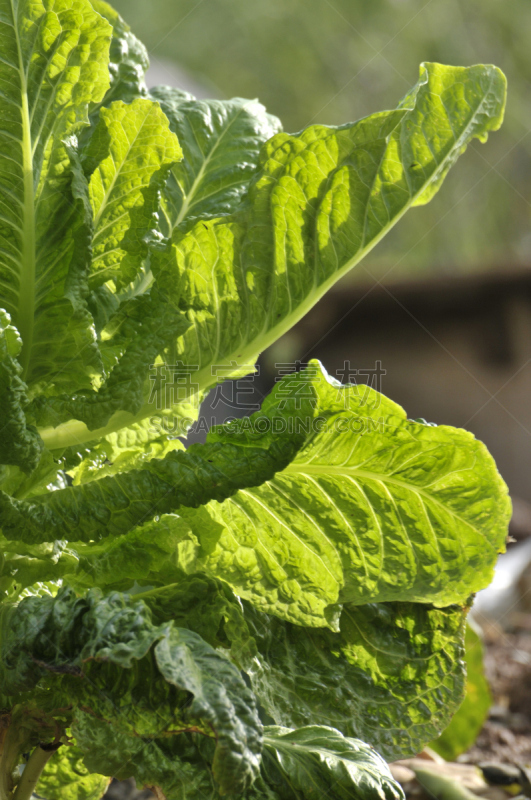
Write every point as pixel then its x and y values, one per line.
pixel 506 736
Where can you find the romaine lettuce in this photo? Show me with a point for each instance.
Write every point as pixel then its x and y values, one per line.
pixel 309 566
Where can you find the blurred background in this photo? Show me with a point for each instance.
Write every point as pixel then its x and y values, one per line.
pixel 441 310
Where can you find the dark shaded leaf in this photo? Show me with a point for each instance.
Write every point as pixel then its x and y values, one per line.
pixel 392 676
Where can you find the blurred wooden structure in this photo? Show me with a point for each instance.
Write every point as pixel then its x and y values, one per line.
pixel 455 351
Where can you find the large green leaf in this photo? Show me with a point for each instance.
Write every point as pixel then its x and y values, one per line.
pixel 128 158
pixel 315 761
pixel 149 325
pixel 320 201
pixel 105 657
pixel 353 503
pixel 394 674
pixel 229 134
pixel 116 505
pixel 156 764
pixel 221 141
pixel 372 508
pixel 19 445
pixel 124 199
pixel 305 764
pixel 54 63
pixel 128 60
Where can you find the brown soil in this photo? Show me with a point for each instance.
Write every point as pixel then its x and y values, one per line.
pixel 506 736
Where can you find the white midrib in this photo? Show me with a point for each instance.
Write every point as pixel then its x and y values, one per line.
pixel 291 746
pixel 26 309
pixel 187 202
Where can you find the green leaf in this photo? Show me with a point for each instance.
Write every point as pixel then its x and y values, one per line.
pixel 54 63
pixel 203 605
pixel 146 555
pixel 65 777
pixel 150 325
pixel 116 505
pixel 372 508
pixel 221 141
pixel 19 444
pixel 155 764
pixel 320 201
pixel 316 762
pixel 142 399
pixel 297 765
pixel 106 658
pixel 231 152
pixel 394 673
pixel 128 158
pixel 128 60
pixel 46 475
pixel 124 450
pixel 26 566
pixel 463 729
pixel 221 698
pixel 353 503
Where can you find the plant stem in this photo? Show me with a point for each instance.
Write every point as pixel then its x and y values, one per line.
pixel 157 590
pixel 12 744
pixel 32 771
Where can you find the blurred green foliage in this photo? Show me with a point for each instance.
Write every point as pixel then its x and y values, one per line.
pixel 332 61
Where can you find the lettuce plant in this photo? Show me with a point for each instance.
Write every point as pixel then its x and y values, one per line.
pixel 258 615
